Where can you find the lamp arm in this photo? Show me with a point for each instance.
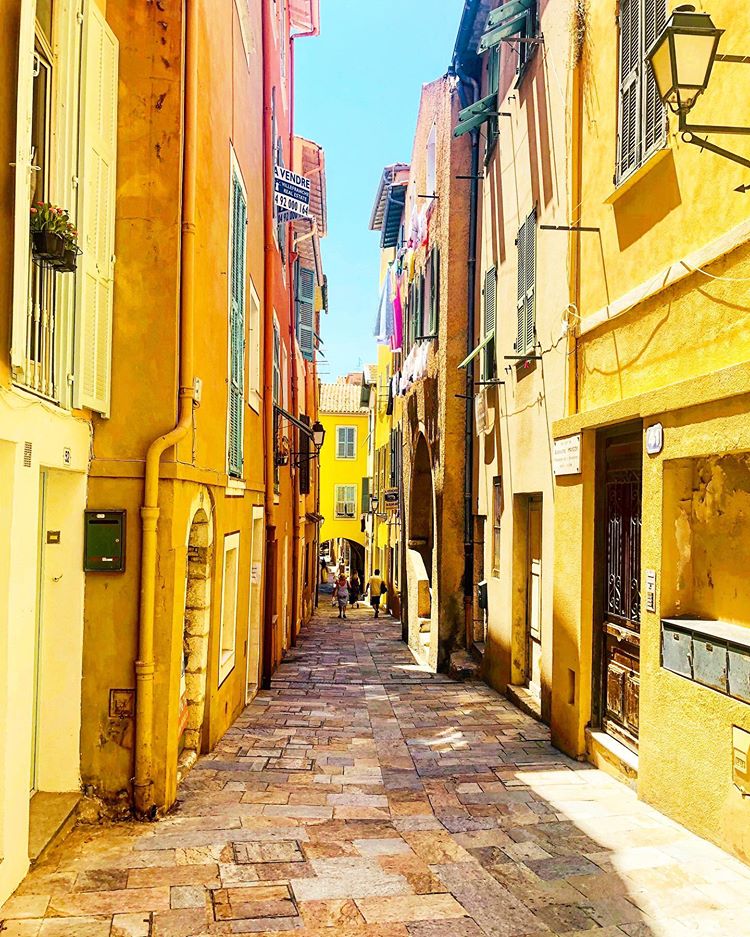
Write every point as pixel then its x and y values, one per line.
pixel 685 127
pixel 689 137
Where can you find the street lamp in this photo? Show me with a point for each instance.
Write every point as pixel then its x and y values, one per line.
pixel 318 435
pixel 683 56
pixel 682 59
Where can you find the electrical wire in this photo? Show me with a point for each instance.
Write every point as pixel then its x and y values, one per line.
pixel 713 276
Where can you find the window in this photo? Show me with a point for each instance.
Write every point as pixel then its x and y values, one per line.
pixel 276 362
pixel 305 305
pixel 526 299
pixel 489 358
pixel 228 630
pixel 497 513
pixel 66 127
pixel 255 338
pixel 346 501
pixel 237 278
pixel 511 21
pixel 346 442
pixel 433 291
pixel 641 122
pixel 431 173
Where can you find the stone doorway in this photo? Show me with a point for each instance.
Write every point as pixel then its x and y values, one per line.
pixel 195 638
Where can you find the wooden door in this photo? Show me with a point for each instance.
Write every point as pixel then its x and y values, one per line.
pixel 620 626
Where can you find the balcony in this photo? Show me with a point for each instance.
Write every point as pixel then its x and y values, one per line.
pixel 39 371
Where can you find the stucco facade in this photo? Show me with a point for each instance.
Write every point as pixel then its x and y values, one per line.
pixel 432 416
pixel 661 341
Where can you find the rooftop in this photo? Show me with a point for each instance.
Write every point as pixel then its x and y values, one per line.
pixel 341 397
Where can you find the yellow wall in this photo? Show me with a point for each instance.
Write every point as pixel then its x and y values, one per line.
pixel 335 471
pixel 659 341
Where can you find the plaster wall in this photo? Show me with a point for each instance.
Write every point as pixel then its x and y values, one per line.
pixel 430 407
pixel 527 170
pixel 676 355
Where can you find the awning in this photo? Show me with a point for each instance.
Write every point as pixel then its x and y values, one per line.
pixel 476 114
pixel 483 344
pixel 508 20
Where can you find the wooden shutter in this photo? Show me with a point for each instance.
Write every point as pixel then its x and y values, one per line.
pixel 304 452
pixel 434 290
pixel 529 269
pixel 305 311
pixel 654 114
pixel 365 505
pixel 630 65
pixel 96 214
pixel 490 321
pixel 22 195
pixel 526 293
pixel 235 454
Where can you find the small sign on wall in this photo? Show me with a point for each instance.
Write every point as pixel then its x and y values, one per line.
pixel 566 455
pixel 654 439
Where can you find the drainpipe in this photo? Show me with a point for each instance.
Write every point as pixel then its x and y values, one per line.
pixel 268 290
pixel 471 268
pixel 144 665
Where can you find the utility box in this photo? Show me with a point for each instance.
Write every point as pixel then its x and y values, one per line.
pixel 104 542
pixel 482 595
pixel 741 759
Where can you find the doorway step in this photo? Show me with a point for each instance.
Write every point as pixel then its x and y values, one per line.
pixel 611 756
pixel 51 818
pixel 525 700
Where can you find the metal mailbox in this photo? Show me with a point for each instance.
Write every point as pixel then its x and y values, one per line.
pixel 677 651
pixel 710 664
pixel 104 542
pixel 739 672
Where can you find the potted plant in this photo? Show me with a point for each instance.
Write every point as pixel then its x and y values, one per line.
pixel 71 250
pixel 48 226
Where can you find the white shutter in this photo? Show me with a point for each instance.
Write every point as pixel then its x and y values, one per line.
pixel 629 129
pixel 22 198
pixel 96 214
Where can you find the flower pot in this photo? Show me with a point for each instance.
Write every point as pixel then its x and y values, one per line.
pixel 47 246
pixel 68 262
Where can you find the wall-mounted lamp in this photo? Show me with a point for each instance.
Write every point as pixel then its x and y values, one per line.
pixel 682 59
pixel 317 434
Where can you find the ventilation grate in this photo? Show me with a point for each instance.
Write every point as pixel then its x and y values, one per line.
pixel 27 455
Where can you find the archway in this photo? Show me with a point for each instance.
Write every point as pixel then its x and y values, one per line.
pixel 195 637
pixel 421 505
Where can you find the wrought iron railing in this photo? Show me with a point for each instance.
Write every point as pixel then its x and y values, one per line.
pixel 39 373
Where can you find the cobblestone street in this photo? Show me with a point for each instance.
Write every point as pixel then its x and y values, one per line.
pixel 363 797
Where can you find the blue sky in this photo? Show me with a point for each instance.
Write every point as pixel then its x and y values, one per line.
pixel 357 93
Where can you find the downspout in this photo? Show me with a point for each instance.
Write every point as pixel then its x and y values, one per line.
pixel 471 268
pixel 144 665
pixel 269 598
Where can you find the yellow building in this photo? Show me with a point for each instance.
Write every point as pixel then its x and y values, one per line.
pixel 651 648
pixel 59 66
pixel 517 366
pixel 343 470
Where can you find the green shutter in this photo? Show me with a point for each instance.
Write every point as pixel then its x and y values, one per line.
pixel 365 505
pixel 305 303
pixel 473 116
pixel 526 294
pixel 507 11
pixel 237 331
pixel 434 290
pixel 490 322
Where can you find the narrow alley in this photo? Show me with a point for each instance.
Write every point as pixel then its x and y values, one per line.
pixel 365 796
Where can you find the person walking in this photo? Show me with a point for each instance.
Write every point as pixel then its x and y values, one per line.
pixel 355 587
pixel 377 588
pixel 341 594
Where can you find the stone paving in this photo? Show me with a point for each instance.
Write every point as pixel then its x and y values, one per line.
pixel 364 797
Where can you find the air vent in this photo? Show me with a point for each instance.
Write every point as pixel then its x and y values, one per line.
pixel 27 455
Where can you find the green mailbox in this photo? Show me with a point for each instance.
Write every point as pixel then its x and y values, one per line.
pixel 104 542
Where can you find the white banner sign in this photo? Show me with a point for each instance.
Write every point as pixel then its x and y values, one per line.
pixel 566 457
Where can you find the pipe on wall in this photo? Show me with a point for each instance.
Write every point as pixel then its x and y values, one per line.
pixel 144 665
pixel 471 268
pixel 270 592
